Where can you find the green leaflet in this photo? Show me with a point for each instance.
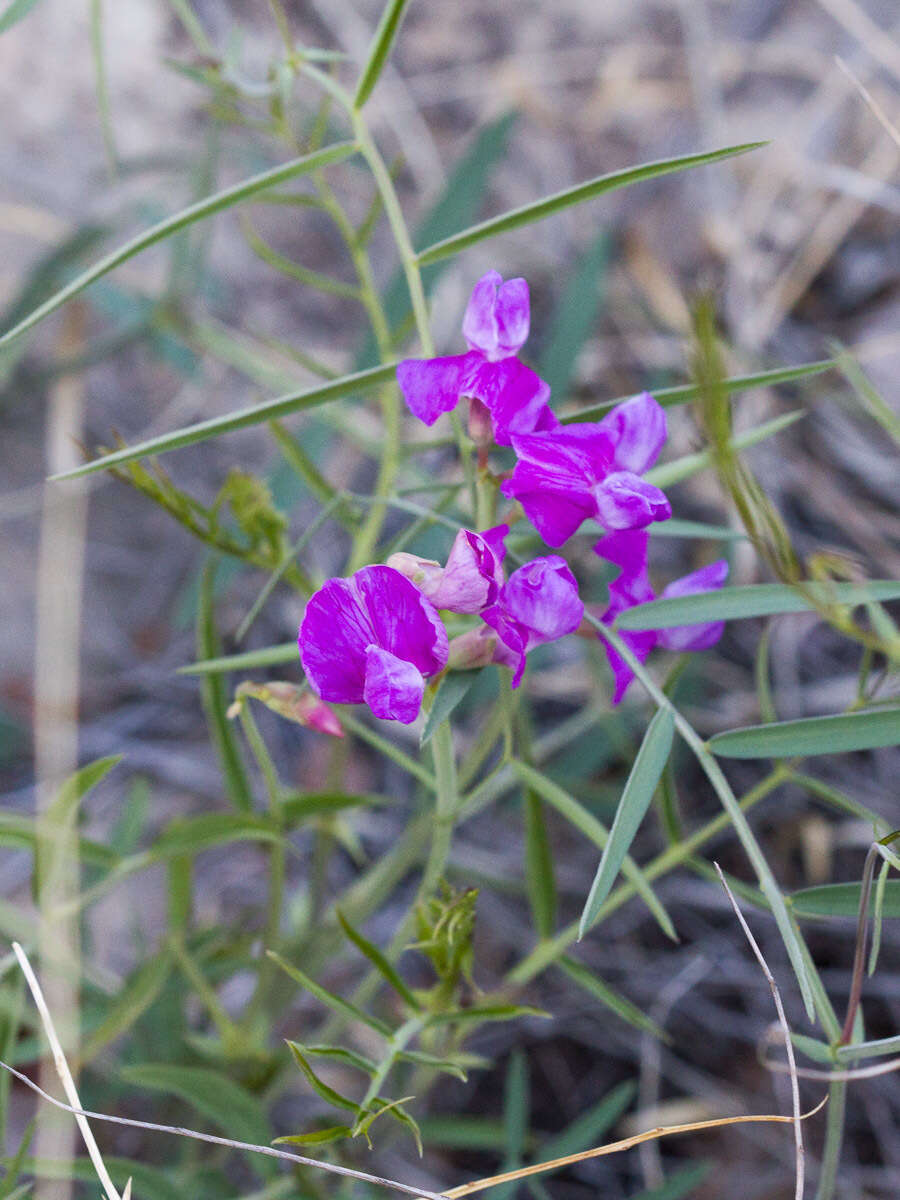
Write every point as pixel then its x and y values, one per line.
pixel 752 600
pixel 538 209
pixel 811 735
pixel 840 900
pixel 163 229
pixel 642 782
pixel 382 42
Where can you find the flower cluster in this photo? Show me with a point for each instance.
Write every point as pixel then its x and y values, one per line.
pixel 376 637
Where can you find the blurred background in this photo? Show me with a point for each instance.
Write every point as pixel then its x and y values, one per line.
pixel 798 242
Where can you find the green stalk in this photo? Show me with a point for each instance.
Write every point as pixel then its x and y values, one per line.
pixel 834 1137
pixel 446 808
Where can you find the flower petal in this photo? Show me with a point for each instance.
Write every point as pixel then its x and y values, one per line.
pixel 627 548
pixel 334 634
pixel 706 633
pixel 472 577
pixel 393 686
pixel 512 640
pixel 625 501
pixel 638 430
pixel 432 386
pixel 496 539
pixel 513 394
pixel 480 318
pixel 640 644
pixel 402 620
pixel 556 511
pixel 513 315
pixel 542 597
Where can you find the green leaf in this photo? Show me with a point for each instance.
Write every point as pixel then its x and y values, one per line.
pixel 379 962
pixel 752 600
pixel 675 527
pixel 336 1003
pixel 463 1133
pixel 538 209
pixel 574 317
pixel 689 391
pixel 486 1012
pixel 322 1089
pixel 639 789
pixel 295 809
pixel 814 1049
pixel 516 1104
pixel 451 692
pixel 811 735
pixel 588 824
pixel 215 699
pixel 194 212
pixel 379 50
pixel 14 13
pixel 269 410
pixel 670 473
pixel 190 835
pixel 876 1049
pixel 317 1138
pixel 539 875
pixel 269 656
pixel 129 1005
pixel 211 1093
pixel 840 900
pixel 610 998
pixel 150 1183
pixel 17 1163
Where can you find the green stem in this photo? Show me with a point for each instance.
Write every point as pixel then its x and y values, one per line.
pixel 397 1044
pixel 834 1137
pixel 446 809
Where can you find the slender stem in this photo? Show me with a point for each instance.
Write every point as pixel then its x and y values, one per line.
pixel 446 809
pixel 834 1137
pixel 859 956
pixel 397 1044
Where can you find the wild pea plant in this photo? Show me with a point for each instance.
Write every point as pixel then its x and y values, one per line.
pixel 399 638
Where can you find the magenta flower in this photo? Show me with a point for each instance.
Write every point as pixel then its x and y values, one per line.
pixel 570 474
pixel 628 550
pixel 538 603
pixel 495 326
pixel 472 578
pixel 373 638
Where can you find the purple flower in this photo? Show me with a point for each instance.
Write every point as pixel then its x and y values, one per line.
pixel 495 326
pixel 628 550
pixel 567 475
pixel 472 577
pixel 538 603
pixel 372 638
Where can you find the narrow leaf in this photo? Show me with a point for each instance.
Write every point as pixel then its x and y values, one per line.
pixel 670 473
pixel 379 962
pixel 319 1087
pixel 336 1003
pixel 591 1125
pixel 642 782
pixel 685 392
pixel 139 992
pixel 539 875
pixel 811 735
pixel 190 835
pixel 382 42
pixel 538 209
pixel 574 317
pixel 187 216
pixel 451 692
pixel 841 900
pixel 877 1049
pixel 610 998
pixel 752 600
pixel 317 1138
pixel 295 809
pixel 14 13
pixel 269 410
pixel 269 656
pixel 588 824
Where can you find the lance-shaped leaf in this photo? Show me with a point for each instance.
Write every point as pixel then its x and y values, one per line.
pixel 381 46
pixel 269 410
pixel 379 962
pixel 841 900
pixel 679 469
pixel 642 782
pixel 343 1007
pixel 811 735
pixel 538 209
pixel 212 1093
pixel 451 692
pixel 684 392
pixel 194 212
pixel 752 600
pixel 610 998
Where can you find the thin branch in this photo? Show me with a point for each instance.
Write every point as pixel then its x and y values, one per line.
pixel 65 1075
pixel 782 1019
pixel 270 1151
